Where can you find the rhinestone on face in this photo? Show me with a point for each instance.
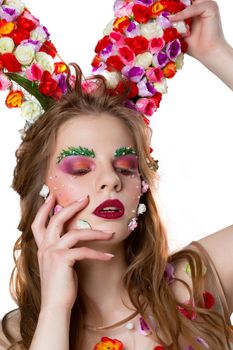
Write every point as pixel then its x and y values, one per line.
pixel 129 326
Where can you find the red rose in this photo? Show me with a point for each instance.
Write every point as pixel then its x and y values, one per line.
pixel 96 61
pixel 127 55
pixel 138 44
pixel 133 91
pixel 173 6
pixel 11 63
pixel 49 48
pixel 102 44
pixel 48 85
pixel 121 24
pixel 19 35
pixel 25 23
pixel 184 45
pixel 170 34
pixel 114 63
pixel 169 70
pixel 209 300
pixel 191 315
pixel 157 98
pixel 141 13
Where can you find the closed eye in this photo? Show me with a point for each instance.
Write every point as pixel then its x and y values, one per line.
pixel 124 171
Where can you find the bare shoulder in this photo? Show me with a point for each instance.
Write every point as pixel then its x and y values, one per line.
pixel 219 245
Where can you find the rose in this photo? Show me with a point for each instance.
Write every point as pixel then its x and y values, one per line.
pixel 141 13
pixel 144 60
pixel 60 67
pixel 39 34
pixel 209 300
pixel 5 83
pixel 45 61
pixel 181 27
pixel 30 111
pixel 146 89
pixel 173 49
pixel 19 35
pixel 15 4
pixel 151 30
pixel 121 24
pixel 108 28
pixel 48 86
pixel 6 27
pixel 6 45
pixel 156 45
pixel 14 99
pixel 10 62
pixel 169 70
pixel 173 6
pixel 138 44
pixel 170 34
pixel 180 61
pixel 161 86
pixel 112 79
pixel 154 75
pixel 114 62
pixel 146 106
pixel 108 343
pixel 135 74
pixel 49 48
pixel 126 55
pixel 104 42
pixel 122 9
pixel 25 23
pixel 155 9
pixel 25 54
pixel 34 72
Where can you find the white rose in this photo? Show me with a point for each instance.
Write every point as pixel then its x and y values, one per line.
pixel 180 61
pixel 113 79
pixel 6 45
pixel 109 27
pixel 45 61
pixel 162 86
pixel 141 208
pixel 38 34
pixel 25 54
pixel 180 27
pixel 30 111
pixel 144 59
pixel 16 4
pixel 151 30
pixel 44 192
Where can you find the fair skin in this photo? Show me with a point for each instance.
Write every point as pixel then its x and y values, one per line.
pixel 56 258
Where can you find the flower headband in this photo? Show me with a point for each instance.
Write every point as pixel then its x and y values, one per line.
pixel 140 44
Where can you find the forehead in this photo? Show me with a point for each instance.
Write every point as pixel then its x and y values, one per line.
pixel 102 132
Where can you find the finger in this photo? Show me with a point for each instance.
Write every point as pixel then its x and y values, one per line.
pixel 56 223
pixel 38 224
pixel 205 8
pixel 74 236
pixel 76 254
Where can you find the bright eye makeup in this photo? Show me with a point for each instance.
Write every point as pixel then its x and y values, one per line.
pixel 127 165
pixel 76 165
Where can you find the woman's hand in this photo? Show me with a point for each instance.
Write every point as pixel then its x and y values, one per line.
pixel 206 28
pixel 56 255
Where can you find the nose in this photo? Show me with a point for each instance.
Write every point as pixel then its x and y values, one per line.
pixel 108 180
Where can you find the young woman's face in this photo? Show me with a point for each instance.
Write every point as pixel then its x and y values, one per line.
pixel 102 173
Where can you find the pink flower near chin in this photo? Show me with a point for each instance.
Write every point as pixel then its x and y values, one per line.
pixel 34 72
pixel 5 83
pixel 133 224
pixel 146 106
pixel 155 75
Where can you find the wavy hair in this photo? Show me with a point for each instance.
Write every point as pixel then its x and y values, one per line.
pixel 146 254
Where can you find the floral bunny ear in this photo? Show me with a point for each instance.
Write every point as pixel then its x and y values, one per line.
pixel 144 46
pixel 30 68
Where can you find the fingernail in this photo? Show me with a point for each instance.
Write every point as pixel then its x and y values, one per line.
pixel 57 209
pixel 82 199
pixel 111 255
pixel 49 198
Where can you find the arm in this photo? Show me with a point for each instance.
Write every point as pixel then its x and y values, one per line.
pixel 206 41
pixel 52 330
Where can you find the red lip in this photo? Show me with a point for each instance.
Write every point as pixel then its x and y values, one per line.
pixel 110 215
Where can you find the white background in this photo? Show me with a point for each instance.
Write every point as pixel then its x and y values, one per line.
pixel 192 135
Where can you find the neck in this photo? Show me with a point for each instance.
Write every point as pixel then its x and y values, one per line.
pixel 101 282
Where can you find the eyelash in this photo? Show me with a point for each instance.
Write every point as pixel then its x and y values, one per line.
pixel 82 172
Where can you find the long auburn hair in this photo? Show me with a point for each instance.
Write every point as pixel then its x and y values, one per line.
pixel 146 248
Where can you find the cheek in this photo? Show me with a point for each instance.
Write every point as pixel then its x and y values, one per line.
pixel 65 191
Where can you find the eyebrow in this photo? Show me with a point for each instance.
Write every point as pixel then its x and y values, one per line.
pixel 75 151
pixel 84 151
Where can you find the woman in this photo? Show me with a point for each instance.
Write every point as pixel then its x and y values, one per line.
pixel 89 148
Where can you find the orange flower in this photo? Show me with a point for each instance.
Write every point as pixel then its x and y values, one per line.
pixel 155 9
pixel 109 344
pixel 122 23
pixel 14 99
pixel 169 70
pixel 60 67
pixel 6 27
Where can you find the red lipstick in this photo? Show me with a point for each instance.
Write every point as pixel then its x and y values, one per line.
pixel 110 209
